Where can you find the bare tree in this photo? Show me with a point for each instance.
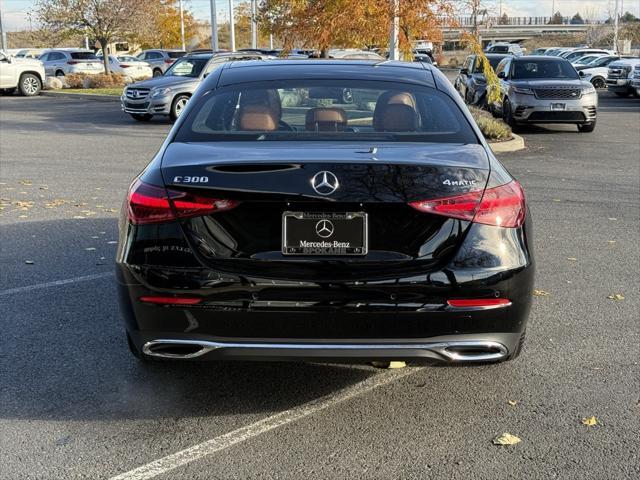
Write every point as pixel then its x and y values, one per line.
pixel 104 20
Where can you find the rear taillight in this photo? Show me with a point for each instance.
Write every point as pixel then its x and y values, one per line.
pixel 73 62
pixel 168 300
pixel 152 204
pixel 501 206
pixel 479 302
pixel 124 65
pixel 169 60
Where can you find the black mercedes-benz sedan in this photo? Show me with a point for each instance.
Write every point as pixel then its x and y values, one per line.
pixel 325 210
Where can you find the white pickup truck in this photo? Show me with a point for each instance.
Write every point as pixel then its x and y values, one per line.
pixel 25 75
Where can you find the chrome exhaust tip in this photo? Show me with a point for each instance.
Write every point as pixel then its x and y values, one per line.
pixel 453 351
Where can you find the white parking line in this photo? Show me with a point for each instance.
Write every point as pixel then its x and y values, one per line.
pixel 217 444
pixel 57 283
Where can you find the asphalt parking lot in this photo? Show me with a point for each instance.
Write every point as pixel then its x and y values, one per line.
pixel 75 404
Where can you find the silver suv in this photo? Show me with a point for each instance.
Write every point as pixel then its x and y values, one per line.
pixel 169 94
pixel 61 62
pixel 160 60
pixel 540 89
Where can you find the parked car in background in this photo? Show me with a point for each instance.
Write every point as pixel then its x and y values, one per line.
pixel 586 59
pixel 33 53
pixel 576 54
pixel 169 93
pixel 503 47
pixel 635 80
pixel 61 62
pixel 619 76
pixel 539 89
pixel 160 60
pixel 596 71
pixel 130 66
pixel 556 52
pixel 471 83
pixel 22 74
pixel 539 51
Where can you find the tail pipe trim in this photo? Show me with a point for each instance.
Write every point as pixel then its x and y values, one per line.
pixel 462 351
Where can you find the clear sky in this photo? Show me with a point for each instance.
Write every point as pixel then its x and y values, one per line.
pixel 14 12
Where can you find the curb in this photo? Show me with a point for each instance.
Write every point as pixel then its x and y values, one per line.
pixel 83 96
pixel 513 145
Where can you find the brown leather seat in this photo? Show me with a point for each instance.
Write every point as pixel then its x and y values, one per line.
pixel 254 117
pixel 395 112
pixel 325 120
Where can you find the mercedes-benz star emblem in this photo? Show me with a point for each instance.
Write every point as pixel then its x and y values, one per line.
pixel 324 228
pixel 325 183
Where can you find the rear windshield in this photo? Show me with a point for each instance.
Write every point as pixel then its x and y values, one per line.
pixel 543 69
pixel 326 110
pixel 501 49
pixel 83 56
pixel 176 54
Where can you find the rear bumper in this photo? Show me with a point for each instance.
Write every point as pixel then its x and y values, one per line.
pixel 472 348
pixel 239 316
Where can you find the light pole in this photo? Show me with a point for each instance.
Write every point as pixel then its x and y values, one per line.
pixel 3 38
pixel 214 26
pixel 254 23
pixel 182 26
pixel 394 53
pixel 615 28
pixel 232 33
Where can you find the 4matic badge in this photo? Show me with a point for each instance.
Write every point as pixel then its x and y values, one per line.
pixel 460 183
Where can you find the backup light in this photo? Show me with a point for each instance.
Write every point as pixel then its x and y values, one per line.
pixel 152 204
pixel 501 206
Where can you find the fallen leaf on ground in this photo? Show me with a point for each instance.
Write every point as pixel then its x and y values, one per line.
pixel 590 421
pixel 29 262
pixel 540 293
pixel 25 182
pixel 611 241
pixel 616 296
pixel 573 259
pixel 613 219
pixel 506 439
pixel 389 365
pixel 513 403
pixel 90 249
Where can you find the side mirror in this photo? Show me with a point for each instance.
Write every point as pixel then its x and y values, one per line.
pixel 502 74
pixel 581 73
pixel 464 71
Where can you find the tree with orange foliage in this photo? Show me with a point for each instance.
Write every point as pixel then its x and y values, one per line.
pixel 322 24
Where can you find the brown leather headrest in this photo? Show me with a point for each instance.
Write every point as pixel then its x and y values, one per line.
pixel 269 98
pixel 325 119
pixel 391 97
pixel 257 118
pixel 397 117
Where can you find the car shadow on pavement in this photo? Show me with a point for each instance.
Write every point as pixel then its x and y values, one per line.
pixel 64 355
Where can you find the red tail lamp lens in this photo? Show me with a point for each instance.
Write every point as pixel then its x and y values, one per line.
pixel 160 300
pixel 153 204
pixel 478 302
pixel 501 206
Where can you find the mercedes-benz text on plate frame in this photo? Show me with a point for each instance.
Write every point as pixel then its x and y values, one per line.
pixel 272 227
pixel 324 233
